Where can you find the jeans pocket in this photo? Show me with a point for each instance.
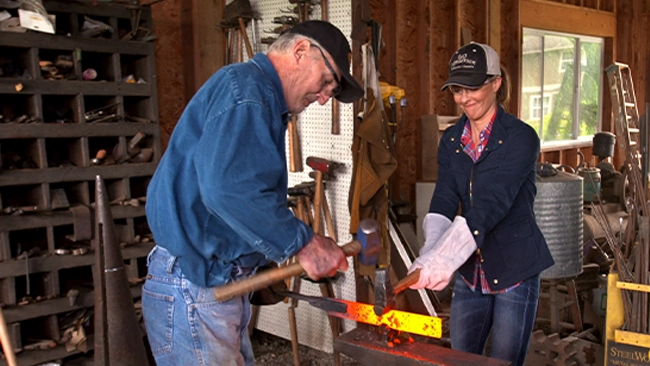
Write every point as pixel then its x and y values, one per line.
pixel 158 317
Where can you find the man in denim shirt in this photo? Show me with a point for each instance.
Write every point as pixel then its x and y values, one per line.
pixel 217 204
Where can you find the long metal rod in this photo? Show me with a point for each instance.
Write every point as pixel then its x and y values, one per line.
pixel 426 300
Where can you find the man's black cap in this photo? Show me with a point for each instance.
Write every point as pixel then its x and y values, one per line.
pixel 335 43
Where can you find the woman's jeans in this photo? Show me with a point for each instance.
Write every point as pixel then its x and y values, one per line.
pixel 186 325
pixel 510 316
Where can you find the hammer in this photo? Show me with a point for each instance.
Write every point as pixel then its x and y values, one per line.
pixel 385 293
pixel 321 167
pixel 366 247
pixel 304 192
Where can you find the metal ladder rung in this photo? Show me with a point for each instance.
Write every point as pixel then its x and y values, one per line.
pixel 624 101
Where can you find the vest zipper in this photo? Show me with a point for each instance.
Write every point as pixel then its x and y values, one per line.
pixel 471 195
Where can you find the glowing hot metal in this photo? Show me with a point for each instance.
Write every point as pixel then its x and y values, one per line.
pixel 398 320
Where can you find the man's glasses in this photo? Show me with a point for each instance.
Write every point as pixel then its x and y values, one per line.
pixel 337 88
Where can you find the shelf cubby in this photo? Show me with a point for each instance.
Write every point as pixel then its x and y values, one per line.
pixel 14 62
pixel 53 124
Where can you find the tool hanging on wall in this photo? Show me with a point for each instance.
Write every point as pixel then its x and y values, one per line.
pixel 322 167
pixel 301 197
pixel 295 152
pixel 302 8
pixel 236 16
pixel 336 122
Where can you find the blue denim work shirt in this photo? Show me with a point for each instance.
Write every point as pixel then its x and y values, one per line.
pixel 218 198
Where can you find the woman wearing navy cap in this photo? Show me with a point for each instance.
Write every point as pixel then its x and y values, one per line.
pixel 487 167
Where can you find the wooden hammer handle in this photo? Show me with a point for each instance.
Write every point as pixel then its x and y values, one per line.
pixel 336 119
pixel 295 156
pixel 267 278
pixel 7 345
pixel 244 34
pixel 407 281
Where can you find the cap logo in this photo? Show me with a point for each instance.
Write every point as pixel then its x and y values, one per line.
pixel 463 62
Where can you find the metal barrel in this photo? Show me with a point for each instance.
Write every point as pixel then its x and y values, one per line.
pixel 558 212
pixel 118 336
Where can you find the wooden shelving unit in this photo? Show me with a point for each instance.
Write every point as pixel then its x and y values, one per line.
pixel 48 145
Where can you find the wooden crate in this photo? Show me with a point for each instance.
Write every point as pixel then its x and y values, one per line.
pixel 47 179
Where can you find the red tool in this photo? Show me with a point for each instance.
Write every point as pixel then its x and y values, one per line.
pixel 322 167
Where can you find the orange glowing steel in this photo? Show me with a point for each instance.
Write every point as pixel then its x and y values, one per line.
pixel 399 320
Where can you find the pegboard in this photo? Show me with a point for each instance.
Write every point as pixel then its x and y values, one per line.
pixel 314 126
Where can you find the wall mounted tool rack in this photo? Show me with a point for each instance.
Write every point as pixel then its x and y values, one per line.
pixel 73 105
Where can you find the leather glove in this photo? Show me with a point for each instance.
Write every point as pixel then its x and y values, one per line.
pixel 439 263
pixel 433 226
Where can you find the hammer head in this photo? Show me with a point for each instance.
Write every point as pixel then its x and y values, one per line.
pixel 368 236
pixel 383 291
pixel 323 165
pixel 302 189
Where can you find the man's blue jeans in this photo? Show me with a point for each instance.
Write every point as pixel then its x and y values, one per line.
pixel 186 325
pixel 510 316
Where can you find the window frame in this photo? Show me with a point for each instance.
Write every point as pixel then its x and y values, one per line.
pixel 533 107
pixel 578 64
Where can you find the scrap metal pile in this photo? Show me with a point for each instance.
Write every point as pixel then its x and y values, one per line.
pixel 631 248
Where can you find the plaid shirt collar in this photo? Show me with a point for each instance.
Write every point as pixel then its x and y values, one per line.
pixel 474 151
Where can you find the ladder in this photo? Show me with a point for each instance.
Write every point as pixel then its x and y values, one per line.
pixel 633 267
pixel 624 105
pixel 628 128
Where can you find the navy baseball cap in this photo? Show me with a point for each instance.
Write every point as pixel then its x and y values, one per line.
pixel 472 65
pixel 335 43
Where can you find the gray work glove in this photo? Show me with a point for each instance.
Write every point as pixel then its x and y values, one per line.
pixel 433 226
pixel 438 263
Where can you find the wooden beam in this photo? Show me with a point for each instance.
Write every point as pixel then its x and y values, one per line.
pixel 562 18
pixel 385 13
pixel 494 25
pixel 444 32
pixel 646 70
pixel 412 65
pixel 360 15
pixel 204 41
pixel 511 50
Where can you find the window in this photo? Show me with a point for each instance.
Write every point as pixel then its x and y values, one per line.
pixel 536 106
pixel 561 84
pixel 568 58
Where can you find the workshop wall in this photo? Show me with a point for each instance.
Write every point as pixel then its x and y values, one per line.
pixel 169 63
pixel 314 127
pixel 420 36
pixel 187 41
